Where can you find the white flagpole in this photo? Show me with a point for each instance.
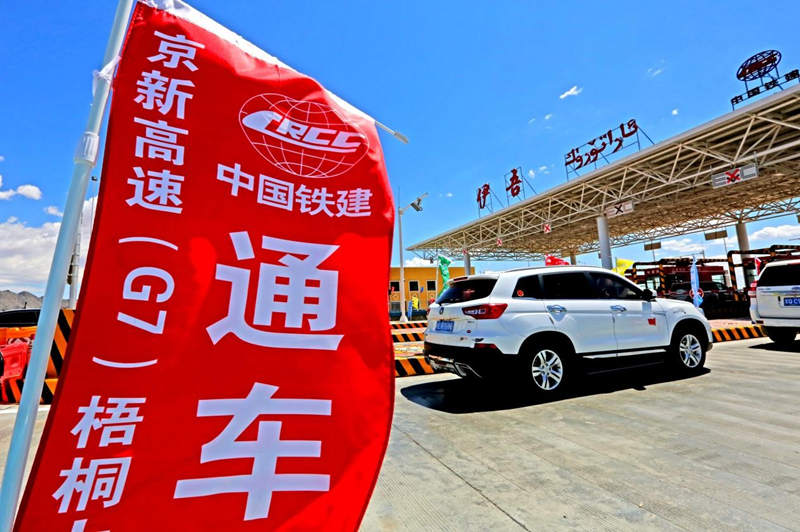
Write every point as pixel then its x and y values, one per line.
pixel 85 159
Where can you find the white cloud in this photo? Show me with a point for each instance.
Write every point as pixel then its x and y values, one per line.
pixel 776 234
pixel 574 91
pixel 548 116
pixel 417 261
pixel 532 120
pixel 675 112
pixel 26 251
pixel 2 158
pixel 531 173
pixel 682 245
pixel 53 211
pixel 448 195
pixel 653 72
pixel 30 191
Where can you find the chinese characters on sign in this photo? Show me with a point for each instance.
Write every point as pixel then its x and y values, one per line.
pixel 514 184
pixel 283 289
pixel 763 68
pixel 483 192
pixel 160 189
pixel 282 194
pixel 208 380
pixel 766 86
pixel 102 479
pixel 264 451
pixel 601 147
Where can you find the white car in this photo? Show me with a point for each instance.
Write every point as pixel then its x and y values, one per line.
pixel 775 300
pixel 547 324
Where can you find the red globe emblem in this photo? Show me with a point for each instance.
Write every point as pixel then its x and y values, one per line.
pixel 304 138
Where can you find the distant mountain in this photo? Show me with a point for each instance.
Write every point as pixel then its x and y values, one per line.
pixel 12 300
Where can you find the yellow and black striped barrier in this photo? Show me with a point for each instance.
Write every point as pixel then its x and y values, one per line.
pixel 411 336
pixel 408 324
pixel 12 390
pixel 742 332
pixel 12 387
pixel 60 339
pixel 413 365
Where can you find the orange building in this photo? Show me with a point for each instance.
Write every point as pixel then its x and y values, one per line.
pixel 425 282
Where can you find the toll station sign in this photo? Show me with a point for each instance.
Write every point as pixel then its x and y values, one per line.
pixel 230 368
pixel 736 175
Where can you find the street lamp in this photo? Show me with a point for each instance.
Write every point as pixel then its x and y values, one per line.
pixel 417 206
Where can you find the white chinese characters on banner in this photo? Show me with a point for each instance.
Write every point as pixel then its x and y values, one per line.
pixel 162 93
pixel 114 422
pixel 118 425
pixel 102 479
pixel 174 50
pixel 284 289
pixel 164 190
pixel 265 450
pixel 236 177
pixel 161 141
pixel 273 192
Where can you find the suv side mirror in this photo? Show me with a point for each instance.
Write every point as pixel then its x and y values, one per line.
pixel 647 295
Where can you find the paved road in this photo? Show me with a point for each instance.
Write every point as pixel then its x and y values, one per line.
pixel 719 451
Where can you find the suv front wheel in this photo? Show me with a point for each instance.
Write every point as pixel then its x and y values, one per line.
pixel 687 351
pixel 547 368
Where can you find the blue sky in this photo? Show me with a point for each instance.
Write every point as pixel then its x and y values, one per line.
pixel 472 84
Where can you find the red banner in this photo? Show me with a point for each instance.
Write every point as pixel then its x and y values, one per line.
pixel 552 260
pixel 231 366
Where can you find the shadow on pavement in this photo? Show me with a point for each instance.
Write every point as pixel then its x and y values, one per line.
pixel 770 346
pixel 460 396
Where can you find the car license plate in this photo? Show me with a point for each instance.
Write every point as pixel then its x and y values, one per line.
pixel 444 326
pixel 791 301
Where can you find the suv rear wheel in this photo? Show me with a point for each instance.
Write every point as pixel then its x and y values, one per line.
pixel 781 335
pixel 547 368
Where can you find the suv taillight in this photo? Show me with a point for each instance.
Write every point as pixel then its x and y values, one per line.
pixel 752 292
pixel 489 311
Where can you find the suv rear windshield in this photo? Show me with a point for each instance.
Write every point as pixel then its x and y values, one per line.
pixel 788 274
pixel 467 290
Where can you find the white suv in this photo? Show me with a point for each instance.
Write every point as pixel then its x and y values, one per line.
pixel 547 324
pixel 775 300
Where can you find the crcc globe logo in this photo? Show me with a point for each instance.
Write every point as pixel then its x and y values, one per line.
pixel 307 139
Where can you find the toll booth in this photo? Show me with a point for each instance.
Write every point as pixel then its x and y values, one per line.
pixel 670 277
pixel 749 260
pixel 724 280
pixel 664 273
